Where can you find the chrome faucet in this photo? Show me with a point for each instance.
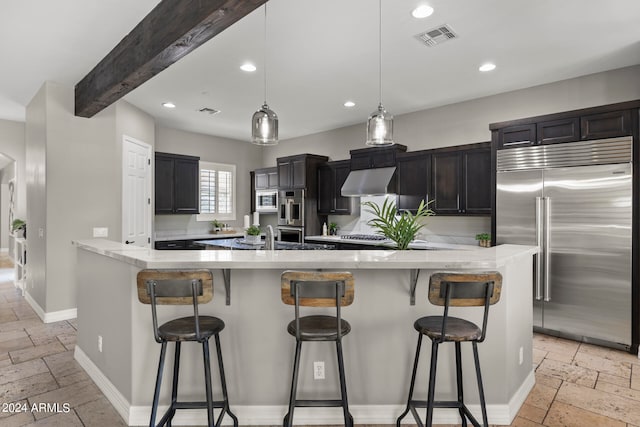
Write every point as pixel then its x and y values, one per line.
pixel 269 239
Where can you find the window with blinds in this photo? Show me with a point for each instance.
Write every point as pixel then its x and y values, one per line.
pixel 217 191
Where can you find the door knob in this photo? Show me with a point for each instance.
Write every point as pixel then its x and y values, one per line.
pixel 129 242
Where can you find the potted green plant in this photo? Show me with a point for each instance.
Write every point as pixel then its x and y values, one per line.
pixel 399 227
pixel 484 239
pixel 19 227
pixel 216 226
pixel 333 228
pixel 253 234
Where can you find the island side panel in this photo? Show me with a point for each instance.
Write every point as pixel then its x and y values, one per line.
pixel 104 309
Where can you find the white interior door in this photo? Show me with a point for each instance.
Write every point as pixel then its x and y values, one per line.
pixel 136 192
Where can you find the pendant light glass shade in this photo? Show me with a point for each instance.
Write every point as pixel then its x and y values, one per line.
pixel 380 123
pixel 380 128
pixel 264 123
pixel 264 126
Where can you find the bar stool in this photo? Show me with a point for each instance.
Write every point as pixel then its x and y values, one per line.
pixel 462 290
pixel 180 287
pixel 318 289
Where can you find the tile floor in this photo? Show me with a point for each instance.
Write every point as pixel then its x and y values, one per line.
pixel 577 385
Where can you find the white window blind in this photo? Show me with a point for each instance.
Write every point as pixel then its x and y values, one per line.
pixel 217 191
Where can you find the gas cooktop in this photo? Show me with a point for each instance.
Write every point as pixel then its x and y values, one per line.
pixel 363 237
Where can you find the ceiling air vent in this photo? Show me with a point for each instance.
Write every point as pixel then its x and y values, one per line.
pixel 437 35
pixel 211 111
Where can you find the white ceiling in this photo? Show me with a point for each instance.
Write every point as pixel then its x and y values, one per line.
pixel 321 54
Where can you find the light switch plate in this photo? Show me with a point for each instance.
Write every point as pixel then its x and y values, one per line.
pixel 100 232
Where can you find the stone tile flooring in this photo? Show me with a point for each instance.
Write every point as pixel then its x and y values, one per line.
pixel 577 385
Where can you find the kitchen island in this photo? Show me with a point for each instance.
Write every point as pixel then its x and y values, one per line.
pixel 258 352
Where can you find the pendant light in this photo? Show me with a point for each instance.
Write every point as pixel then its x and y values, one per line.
pixel 264 123
pixel 380 123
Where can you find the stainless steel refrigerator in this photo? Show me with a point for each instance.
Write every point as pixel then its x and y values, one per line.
pixel 574 201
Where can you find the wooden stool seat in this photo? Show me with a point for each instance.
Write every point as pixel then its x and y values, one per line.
pixel 319 328
pixel 457 329
pixel 184 329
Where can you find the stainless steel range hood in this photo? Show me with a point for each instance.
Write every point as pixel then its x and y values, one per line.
pixel 369 182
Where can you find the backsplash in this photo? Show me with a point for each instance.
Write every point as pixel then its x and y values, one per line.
pixel 438 229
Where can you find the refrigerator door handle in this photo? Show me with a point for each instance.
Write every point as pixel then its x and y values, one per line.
pixel 539 256
pixel 547 252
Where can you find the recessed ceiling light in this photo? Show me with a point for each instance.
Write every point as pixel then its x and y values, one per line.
pixel 422 11
pixel 349 104
pixel 487 67
pixel 248 67
pixel 169 105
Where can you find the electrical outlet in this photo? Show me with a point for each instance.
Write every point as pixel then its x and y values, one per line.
pixel 318 370
pixel 100 232
pixel 100 343
pixel 521 356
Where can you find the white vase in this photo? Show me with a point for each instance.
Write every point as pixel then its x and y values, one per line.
pixel 253 239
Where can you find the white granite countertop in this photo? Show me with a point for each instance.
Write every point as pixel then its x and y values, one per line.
pixel 479 258
pixel 416 244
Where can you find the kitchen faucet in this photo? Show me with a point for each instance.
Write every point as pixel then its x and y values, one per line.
pixel 269 239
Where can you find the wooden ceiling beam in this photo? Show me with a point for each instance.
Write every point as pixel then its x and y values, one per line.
pixel 170 31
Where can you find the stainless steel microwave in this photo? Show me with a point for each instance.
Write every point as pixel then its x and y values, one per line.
pixel 267 201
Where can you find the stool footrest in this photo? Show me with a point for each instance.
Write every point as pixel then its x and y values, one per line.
pixel 197 405
pixel 318 403
pixel 452 404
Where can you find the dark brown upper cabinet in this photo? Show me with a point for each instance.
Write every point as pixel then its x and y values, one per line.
pixel 558 131
pixel 176 184
pixel 413 179
pixel 606 125
pixel 517 136
pixel 299 172
pixel 331 177
pixel 375 157
pixel 461 180
pixel 266 178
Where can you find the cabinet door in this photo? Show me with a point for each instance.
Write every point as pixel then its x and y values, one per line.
pixel 342 204
pixel 284 174
pixel 326 201
pixel 360 161
pixel 517 136
pixel 163 185
pixel 606 125
pixel 477 181
pixel 383 159
pixel 272 179
pixel 558 131
pixel 446 183
pixel 262 180
pixel 298 173
pixel 414 176
pixel 186 186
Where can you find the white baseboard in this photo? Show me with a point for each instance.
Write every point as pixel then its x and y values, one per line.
pixel 52 316
pixel 119 402
pixel 273 414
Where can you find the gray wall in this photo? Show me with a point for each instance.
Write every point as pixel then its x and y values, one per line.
pixel 74 184
pixel 468 122
pixel 244 155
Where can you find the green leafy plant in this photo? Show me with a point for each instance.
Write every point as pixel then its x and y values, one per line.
pixel 215 224
pixel 399 227
pixel 483 236
pixel 18 224
pixel 254 230
pixel 333 228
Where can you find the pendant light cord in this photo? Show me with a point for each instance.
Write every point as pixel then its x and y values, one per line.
pixel 265 54
pixel 380 49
